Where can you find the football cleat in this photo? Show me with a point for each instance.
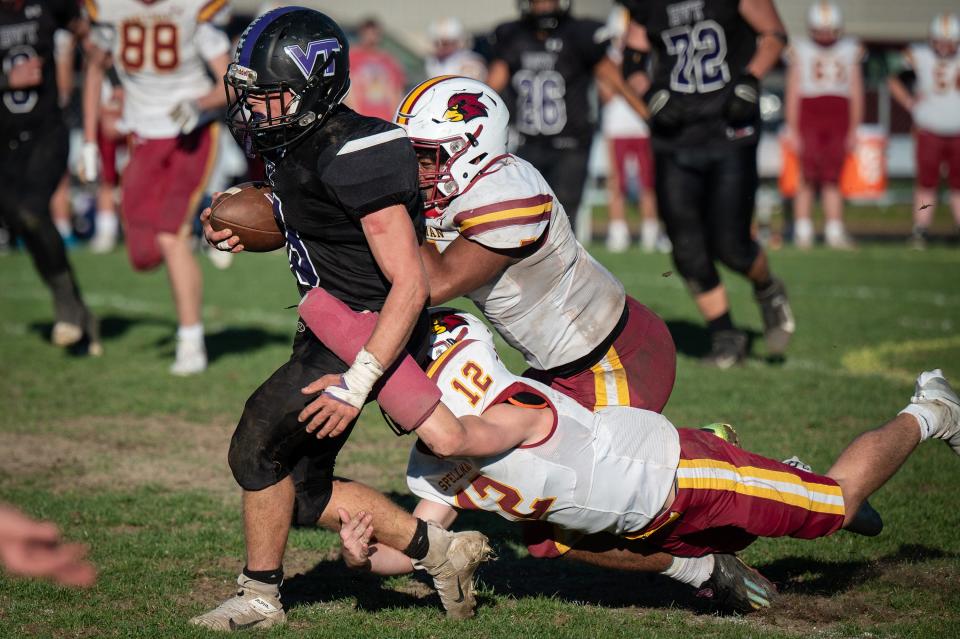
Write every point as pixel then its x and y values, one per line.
pixel 728 349
pixel 256 605
pixel 736 587
pixel 618 236
pixel 452 560
pixel 778 323
pixel 933 388
pixel 726 432
pixel 191 357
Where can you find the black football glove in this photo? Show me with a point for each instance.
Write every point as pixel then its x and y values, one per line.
pixel 743 103
pixel 665 113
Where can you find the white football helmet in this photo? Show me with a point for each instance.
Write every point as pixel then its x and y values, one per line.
pixel 945 28
pixel 447 29
pixel 824 16
pixel 451 325
pixel 459 123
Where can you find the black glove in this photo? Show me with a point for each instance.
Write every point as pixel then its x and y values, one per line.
pixel 743 103
pixel 665 113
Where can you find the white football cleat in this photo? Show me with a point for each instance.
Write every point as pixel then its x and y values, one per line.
pixel 191 357
pixel 256 605
pixel 618 236
pixel 66 334
pixel 451 560
pixel 933 388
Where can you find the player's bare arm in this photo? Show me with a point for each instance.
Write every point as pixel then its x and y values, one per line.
pixel 792 104
pixel 216 98
pixel 771 34
pixel 498 76
pixel 392 240
pixel 606 71
pixel 463 267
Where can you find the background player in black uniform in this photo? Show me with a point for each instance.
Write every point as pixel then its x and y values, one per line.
pixel 34 143
pixel 706 58
pixel 544 65
pixel 347 196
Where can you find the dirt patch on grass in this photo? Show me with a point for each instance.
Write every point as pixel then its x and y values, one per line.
pixel 124 452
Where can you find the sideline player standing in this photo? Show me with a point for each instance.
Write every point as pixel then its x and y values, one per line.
pixel 346 195
pixel 934 104
pixel 162 52
pixel 544 64
pixel 34 152
pixel 708 58
pixel 450 53
pixel 824 107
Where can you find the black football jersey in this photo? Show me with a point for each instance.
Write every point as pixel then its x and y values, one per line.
pixel 26 33
pixel 551 75
pixel 699 48
pixel 351 166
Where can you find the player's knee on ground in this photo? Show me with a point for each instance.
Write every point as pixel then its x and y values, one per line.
pixel 143 249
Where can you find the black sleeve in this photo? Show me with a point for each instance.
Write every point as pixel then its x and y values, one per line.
pixel 638 10
pixel 592 41
pixel 65 12
pixel 372 178
pixel 501 40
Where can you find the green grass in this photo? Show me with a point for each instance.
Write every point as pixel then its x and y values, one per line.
pixel 132 461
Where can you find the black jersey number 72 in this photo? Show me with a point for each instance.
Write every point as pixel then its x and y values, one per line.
pixel 700 52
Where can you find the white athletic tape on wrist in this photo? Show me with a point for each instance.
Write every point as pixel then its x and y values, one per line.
pixel 358 381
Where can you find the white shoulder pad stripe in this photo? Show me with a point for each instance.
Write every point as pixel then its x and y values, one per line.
pixel 373 140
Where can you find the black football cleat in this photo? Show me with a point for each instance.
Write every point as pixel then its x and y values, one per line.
pixel 736 587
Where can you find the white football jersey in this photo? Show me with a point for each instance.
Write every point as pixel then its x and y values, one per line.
pixel 463 62
pixel 554 306
pixel 937 90
pixel 825 70
pixel 159 50
pixel 607 471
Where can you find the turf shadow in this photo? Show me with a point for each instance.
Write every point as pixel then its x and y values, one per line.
pixel 803 575
pixel 693 339
pixel 235 341
pixel 332 580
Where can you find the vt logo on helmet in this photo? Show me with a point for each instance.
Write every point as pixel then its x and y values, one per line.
pixel 290 69
pixel 458 127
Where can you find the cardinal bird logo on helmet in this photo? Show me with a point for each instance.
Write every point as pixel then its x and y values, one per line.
pixel 463 107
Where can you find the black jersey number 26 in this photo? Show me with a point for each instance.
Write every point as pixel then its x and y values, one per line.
pixel 700 51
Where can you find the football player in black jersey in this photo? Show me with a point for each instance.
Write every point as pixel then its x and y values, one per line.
pixel 346 194
pixel 544 65
pixel 34 143
pixel 705 59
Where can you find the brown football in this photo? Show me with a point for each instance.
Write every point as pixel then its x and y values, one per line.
pixel 247 210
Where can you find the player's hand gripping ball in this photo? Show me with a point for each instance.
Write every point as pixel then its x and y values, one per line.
pixel 247 210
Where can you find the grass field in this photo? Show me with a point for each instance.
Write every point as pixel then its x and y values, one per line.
pixel 133 461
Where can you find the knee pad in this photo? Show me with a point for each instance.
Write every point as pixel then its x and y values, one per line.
pixel 737 254
pixel 696 267
pixel 250 460
pixel 142 249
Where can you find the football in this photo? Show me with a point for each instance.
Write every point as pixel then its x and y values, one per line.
pixel 247 210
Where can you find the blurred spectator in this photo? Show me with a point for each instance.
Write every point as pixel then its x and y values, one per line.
pixel 32 548
pixel 376 78
pixel 110 137
pixel 933 71
pixel 33 154
pixel 544 65
pixel 630 160
pixel 824 107
pixel 451 55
